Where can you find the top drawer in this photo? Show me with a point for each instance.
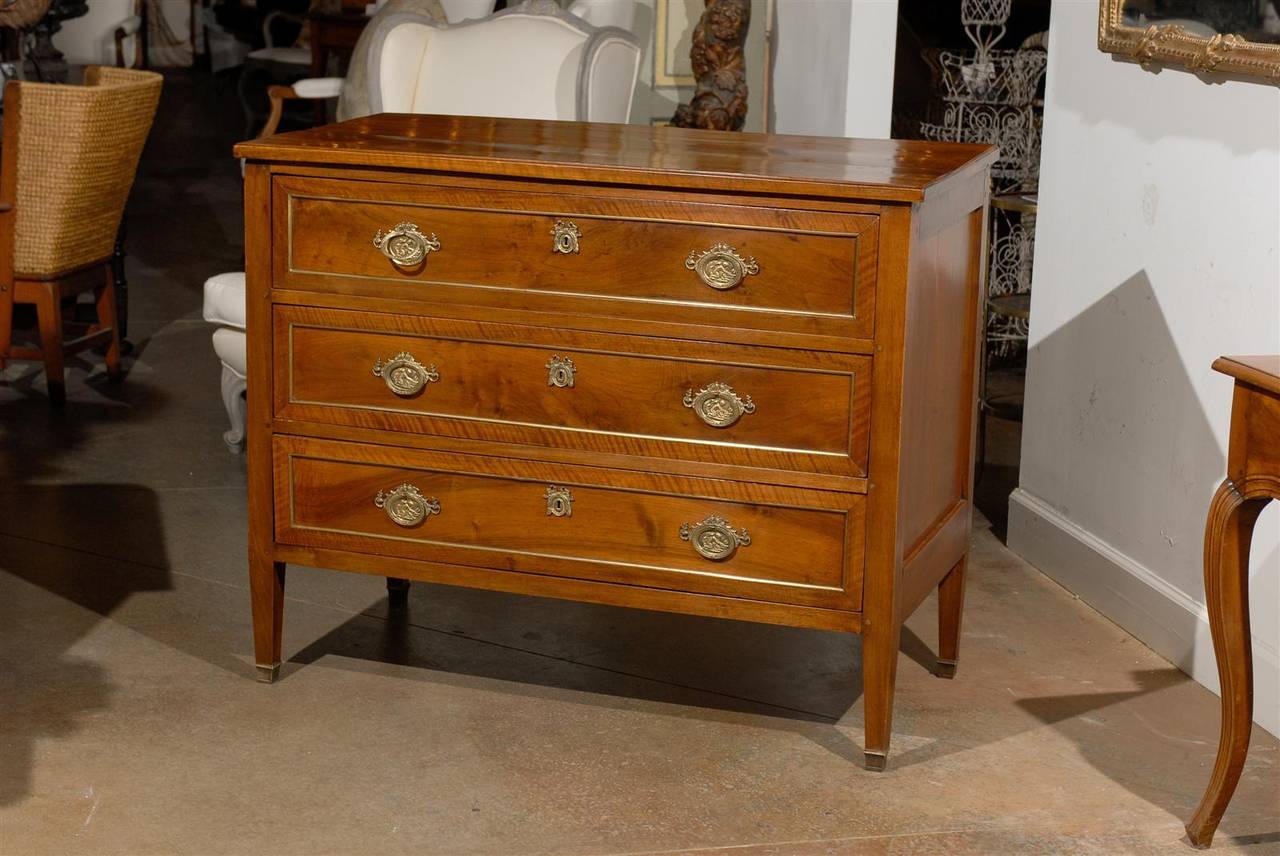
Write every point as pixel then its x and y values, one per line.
pixel 686 262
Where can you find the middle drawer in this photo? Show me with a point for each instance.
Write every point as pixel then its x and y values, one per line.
pixel 715 403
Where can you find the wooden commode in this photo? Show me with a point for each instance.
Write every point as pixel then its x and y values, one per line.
pixel 723 374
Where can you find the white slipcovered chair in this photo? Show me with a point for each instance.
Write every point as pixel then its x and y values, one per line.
pixel 110 33
pixel 554 66
pixel 407 50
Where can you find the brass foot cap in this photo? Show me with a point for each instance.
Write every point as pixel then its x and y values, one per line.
pixel 268 674
pixel 876 761
pixel 946 669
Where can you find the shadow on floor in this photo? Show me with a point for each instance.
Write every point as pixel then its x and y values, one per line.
pixel 806 682
pixel 40 632
pixel 1133 763
pixel 59 537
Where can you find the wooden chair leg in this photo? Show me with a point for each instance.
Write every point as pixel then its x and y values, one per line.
pixel 6 320
pixel 1226 583
pixel 108 317
pixel 950 609
pixel 49 317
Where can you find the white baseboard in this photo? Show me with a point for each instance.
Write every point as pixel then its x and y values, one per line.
pixel 1130 594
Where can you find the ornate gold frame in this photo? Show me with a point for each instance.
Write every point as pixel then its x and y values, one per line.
pixel 1172 45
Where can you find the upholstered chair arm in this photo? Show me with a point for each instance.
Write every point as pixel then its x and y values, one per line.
pixel 128 27
pixel 610 76
pixel 313 88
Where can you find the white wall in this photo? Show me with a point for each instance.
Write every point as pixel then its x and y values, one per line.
pixel 1156 251
pixel 833 67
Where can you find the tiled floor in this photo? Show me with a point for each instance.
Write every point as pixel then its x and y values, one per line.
pixel 484 723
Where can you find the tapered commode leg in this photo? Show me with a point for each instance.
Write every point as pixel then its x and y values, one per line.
pixel 950 609
pixel 266 588
pixel 879 674
pixel 1226 587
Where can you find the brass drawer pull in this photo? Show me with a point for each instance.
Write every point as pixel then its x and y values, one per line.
pixel 405 245
pixel 566 235
pixel 559 501
pixel 718 405
pixel 405 375
pixel 713 538
pixel 560 372
pixel 406 506
pixel 721 267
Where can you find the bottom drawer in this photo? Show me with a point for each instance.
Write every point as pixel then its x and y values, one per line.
pixel 763 542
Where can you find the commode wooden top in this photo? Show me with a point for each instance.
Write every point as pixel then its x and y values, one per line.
pixel 873 170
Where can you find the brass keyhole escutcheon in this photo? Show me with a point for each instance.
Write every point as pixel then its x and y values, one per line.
pixel 560 372
pixel 565 234
pixel 559 501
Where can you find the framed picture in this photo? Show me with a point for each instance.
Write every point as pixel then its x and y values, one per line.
pixel 672 39
pixel 1233 36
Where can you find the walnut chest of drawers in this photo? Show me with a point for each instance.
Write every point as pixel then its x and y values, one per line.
pixel 722 374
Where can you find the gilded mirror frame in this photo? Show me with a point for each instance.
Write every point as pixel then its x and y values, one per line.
pixel 1170 44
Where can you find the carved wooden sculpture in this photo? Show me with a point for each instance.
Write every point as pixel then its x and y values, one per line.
pixel 720 101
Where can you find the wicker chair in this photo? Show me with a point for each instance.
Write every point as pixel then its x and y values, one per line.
pixel 67 163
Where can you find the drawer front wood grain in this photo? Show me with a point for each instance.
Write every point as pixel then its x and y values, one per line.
pixel 734 405
pixel 795 546
pixel 800 271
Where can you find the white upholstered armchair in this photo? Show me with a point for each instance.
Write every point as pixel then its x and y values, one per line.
pixel 532 61
pixel 577 65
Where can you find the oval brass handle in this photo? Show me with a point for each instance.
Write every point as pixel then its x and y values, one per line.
pixel 565 234
pixel 406 506
pixel 721 267
pixel 405 245
pixel 713 538
pixel 405 375
pixel 718 405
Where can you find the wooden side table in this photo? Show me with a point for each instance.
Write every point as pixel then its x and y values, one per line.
pixel 333 34
pixel 1253 480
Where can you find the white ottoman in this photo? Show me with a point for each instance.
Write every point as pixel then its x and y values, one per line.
pixel 224 306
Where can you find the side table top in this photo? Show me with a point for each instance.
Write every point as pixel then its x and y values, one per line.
pixel 1261 371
